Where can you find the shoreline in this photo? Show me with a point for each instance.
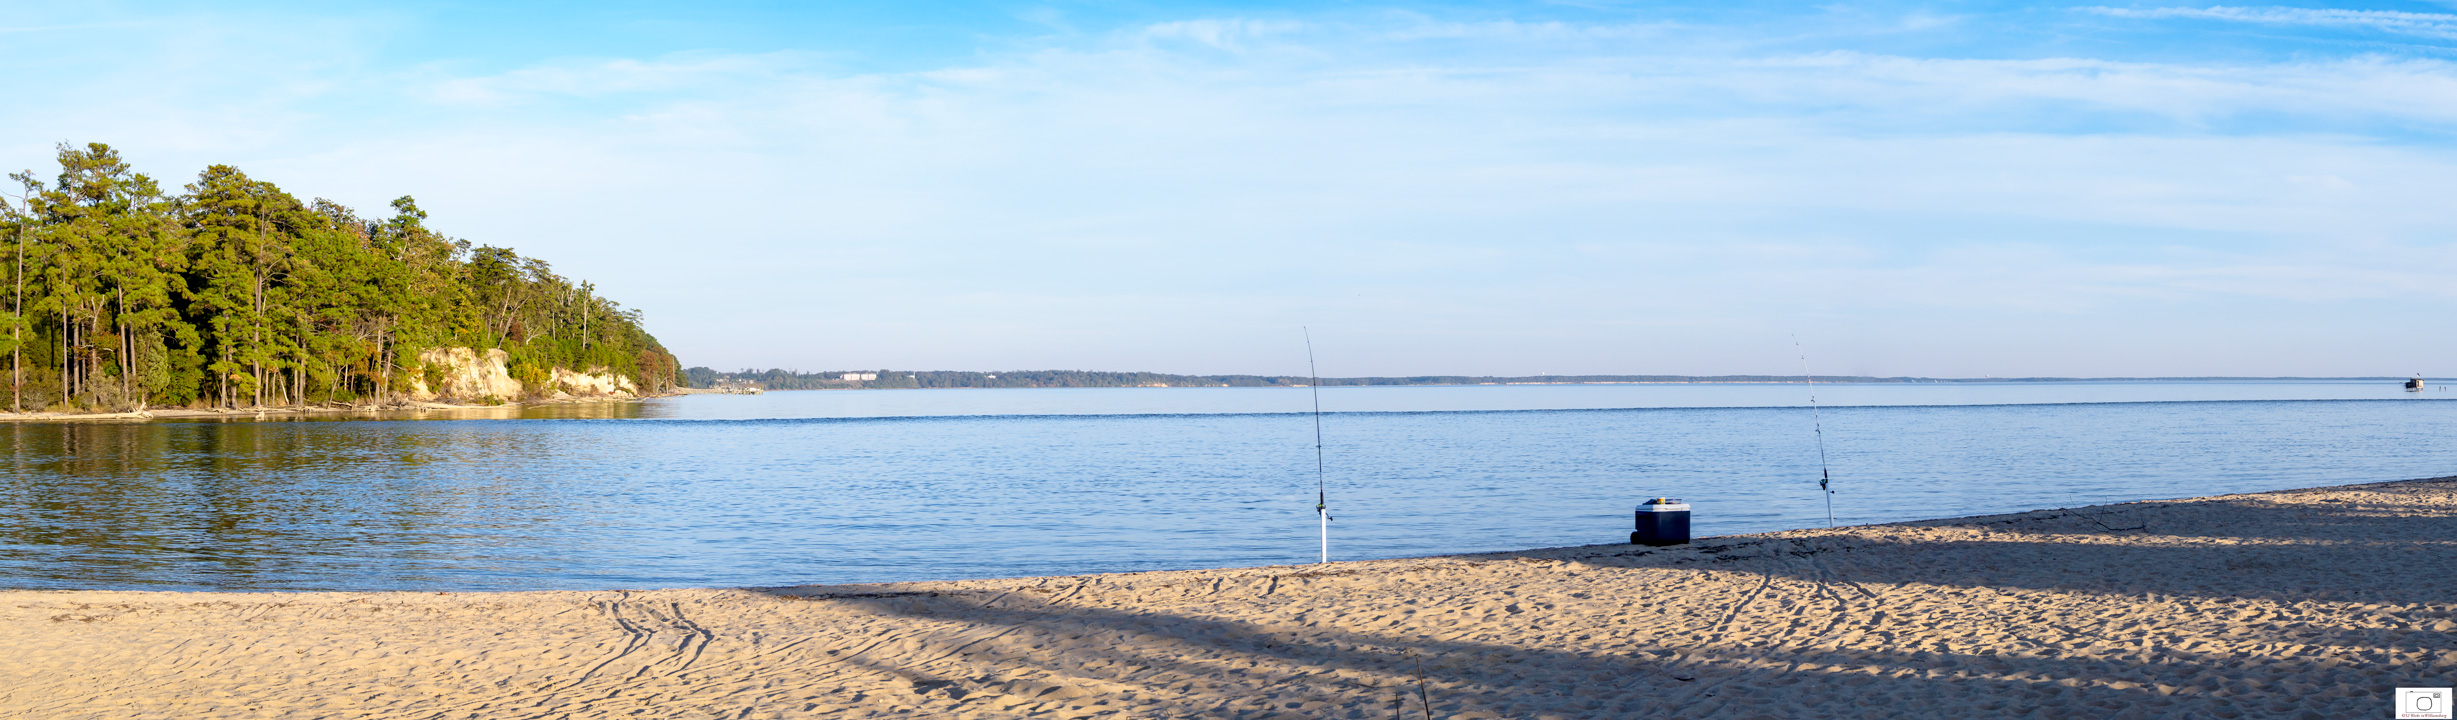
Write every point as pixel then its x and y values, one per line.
pixel 2294 603
pixel 280 412
pixel 275 412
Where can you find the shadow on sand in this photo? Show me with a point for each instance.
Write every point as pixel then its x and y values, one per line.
pixel 2310 604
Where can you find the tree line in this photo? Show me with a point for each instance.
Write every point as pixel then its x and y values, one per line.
pixel 780 379
pixel 233 292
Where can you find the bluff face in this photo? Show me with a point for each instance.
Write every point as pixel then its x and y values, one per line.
pixel 460 373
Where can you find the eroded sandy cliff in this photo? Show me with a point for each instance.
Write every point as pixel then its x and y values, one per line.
pixel 467 374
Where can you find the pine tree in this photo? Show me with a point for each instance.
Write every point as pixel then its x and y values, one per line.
pixel 235 293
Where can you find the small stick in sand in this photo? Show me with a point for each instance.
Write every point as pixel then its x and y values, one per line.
pixel 1421 697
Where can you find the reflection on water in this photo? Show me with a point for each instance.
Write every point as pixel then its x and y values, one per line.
pixel 258 504
pixel 615 495
pixel 554 411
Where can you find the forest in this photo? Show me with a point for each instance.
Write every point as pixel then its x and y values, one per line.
pixel 233 293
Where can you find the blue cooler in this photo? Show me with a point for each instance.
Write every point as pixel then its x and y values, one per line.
pixel 1662 521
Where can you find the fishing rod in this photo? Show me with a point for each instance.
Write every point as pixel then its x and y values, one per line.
pixel 1322 505
pixel 1818 424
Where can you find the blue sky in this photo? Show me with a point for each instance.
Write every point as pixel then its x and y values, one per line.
pixel 1949 189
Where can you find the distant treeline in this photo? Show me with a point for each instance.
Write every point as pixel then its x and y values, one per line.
pixel 776 379
pixel 115 293
pixel 779 379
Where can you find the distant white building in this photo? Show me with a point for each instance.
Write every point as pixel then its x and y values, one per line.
pixel 850 377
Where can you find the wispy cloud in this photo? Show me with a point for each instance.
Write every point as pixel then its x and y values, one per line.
pixel 1417 27
pixel 613 76
pixel 2432 25
pixel 1219 33
pixel 61 28
pixel 2103 95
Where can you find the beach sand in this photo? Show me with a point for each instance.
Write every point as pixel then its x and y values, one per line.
pixel 2298 604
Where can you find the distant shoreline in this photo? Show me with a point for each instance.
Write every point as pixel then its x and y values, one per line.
pixel 941 379
pixel 288 412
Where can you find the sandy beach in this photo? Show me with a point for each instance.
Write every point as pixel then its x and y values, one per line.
pixel 2296 604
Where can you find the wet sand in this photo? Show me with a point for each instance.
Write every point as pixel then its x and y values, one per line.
pixel 2297 604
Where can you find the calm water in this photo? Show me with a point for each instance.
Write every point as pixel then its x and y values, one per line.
pixel 843 486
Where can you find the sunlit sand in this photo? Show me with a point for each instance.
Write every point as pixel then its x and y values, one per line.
pixel 2312 603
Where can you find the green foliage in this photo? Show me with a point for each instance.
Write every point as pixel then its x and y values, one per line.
pixel 236 293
